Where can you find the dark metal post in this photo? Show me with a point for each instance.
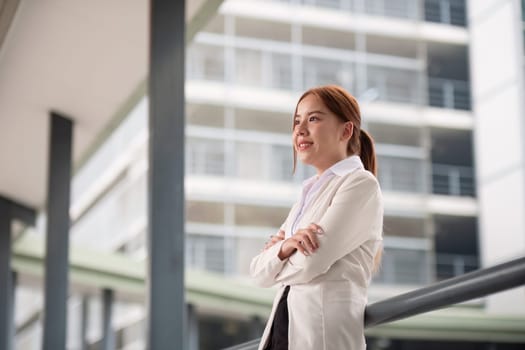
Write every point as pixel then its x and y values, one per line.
pixel 12 329
pixel 84 316
pixel 57 243
pixel 193 328
pixel 108 338
pixel 256 327
pixel 166 175
pixel 5 275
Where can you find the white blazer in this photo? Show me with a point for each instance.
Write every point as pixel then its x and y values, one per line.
pixel 328 289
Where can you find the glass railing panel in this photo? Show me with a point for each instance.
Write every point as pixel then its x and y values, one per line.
pixel 205 156
pixel 453 180
pixel 249 68
pixel 451 12
pixel 448 93
pixel 281 68
pixel 403 266
pixel 451 265
pixel 274 70
pixel 281 165
pixel 415 267
pixel 401 174
pixel 394 85
pixel 207 252
pixel 205 62
pixel 322 71
pixel 408 9
pixel 446 11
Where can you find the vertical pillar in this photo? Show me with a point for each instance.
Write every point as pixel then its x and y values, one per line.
pixel 193 328
pixel 108 337
pixel 166 176
pixel 256 327
pixel 84 323
pixel 5 275
pixel 57 243
pixel 11 316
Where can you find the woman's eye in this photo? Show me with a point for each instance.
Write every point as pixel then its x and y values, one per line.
pixel 312 119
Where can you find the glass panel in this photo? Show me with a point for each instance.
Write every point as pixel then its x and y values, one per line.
pixel 205 62
pixel 281 71
pixel 320 72
pixel 255 215
pixel 403 266
pixel 249 160
pixel 206 252
pixel 394 85
pixel 404 226
pixel 251 119
pixel 206 115
pixel 204 156
pixel 206 212
pixel 281 163
pixel 248 67
pixel 401 174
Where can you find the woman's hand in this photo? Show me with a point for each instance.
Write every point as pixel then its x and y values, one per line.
pixel 274 239
pixel 304 240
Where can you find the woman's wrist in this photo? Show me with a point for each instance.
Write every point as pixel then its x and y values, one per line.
pixel 286 250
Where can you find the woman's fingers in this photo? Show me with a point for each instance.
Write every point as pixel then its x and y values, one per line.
pixel 316 228
pixel 274 239
pixel 307 239
pixel 305 242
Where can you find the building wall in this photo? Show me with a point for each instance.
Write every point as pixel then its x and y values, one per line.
pixel 496 54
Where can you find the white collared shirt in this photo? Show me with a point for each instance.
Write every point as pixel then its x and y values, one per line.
pixel 312 185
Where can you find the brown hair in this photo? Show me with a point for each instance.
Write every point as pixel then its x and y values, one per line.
pixel 345 107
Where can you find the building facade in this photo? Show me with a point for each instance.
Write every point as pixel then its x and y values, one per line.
pixel 412 65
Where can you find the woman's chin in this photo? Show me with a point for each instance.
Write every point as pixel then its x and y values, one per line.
pixel 306 160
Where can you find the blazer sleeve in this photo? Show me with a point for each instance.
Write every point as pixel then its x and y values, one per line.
pixel 266 265
pixel 354 217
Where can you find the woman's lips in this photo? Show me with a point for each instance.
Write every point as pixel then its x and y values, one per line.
pixel 303 145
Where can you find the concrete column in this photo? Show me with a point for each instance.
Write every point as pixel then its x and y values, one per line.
pixel 108 336
pixel 166 175
pixel 6 318
pixel 57 243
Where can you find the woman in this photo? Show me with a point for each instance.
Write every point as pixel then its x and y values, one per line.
pixel 324 255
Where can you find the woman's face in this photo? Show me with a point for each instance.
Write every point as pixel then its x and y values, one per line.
pixel 319 137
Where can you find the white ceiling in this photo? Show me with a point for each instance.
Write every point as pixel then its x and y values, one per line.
pixel 81 58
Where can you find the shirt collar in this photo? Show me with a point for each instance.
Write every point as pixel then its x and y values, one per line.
pixel 341 168
pixel 346 166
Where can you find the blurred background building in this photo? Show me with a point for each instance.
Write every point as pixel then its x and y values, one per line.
pixel 441 87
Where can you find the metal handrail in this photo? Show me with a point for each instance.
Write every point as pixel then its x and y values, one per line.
pixel 455 290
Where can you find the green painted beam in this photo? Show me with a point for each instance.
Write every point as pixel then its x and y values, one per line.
pixel 94 270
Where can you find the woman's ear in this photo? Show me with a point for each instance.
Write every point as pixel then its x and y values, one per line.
pixel 348 131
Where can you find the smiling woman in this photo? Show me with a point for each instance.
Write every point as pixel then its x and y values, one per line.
pixel 329 246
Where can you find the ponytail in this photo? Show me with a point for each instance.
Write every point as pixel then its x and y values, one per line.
pixel 367 152
pixel 368 157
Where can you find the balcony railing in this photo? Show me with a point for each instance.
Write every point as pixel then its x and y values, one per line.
pixel 453 180
pixel 417 267
pixel 399 266
pixel 448 93
pixel 451 12
pixel 273 70
pixel 463 288
pixel 274 163
pixel 401 174
pixel 446 11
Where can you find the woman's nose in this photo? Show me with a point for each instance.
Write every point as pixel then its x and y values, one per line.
pixel 301 129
